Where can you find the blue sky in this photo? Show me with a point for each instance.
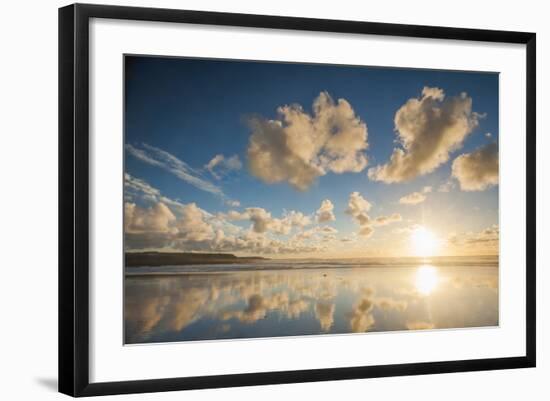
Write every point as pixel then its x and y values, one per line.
pixel 195 109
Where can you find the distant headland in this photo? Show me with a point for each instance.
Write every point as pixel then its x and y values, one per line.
pixel 137 259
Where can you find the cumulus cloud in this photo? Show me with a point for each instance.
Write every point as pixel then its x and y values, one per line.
pixel 255 243
pixel 323 233
pixel 168 162
pixel 193 229
pixel 428 129
pixel 412 199
pixel 358 208
pixel 385 220
pixel 325 212
pixel 297 219
pixel 170 224
pixel 166 223
pixel 478 170
pixel 220 165
pixel 366 231
pixel 415 197
pixel 192 226
pixel 159 227
pixel 298 147
pixel 234 215
pixel 157 218
pixel 484 241
pixel 328 230
pixel 263 221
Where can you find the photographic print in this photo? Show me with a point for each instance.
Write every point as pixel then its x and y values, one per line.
pixel 268 199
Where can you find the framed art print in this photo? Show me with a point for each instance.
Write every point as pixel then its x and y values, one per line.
pixel 252 199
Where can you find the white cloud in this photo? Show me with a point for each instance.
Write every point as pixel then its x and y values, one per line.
pixel 262 221
pixel 358 208
pixel 325 212
pixel 134 186
pixel 366 230
pixel 317 232
pixel 189 228
pixel 484 241
pixel 138 189
pixel 257 243
pixel 385 220
pixel 167 222
pixel 298 147
pixel 297 219
pixel 192 226
pixel 415 197
pixel 160 158
pixel 158 218
pixel 412 199
pixel 428 128
pixel 220 165
pixel 478 170
pixel 328 230
pixel 234 215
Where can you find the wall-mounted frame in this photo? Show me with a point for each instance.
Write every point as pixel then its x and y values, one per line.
pixel 96 46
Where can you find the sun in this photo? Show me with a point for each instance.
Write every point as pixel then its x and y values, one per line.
pixel 424 242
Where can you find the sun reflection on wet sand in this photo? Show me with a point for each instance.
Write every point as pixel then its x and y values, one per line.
pixel 426 279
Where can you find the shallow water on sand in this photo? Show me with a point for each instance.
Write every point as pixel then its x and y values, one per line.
pixel 289 298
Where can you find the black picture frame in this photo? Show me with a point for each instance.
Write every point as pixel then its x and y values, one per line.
pixel 74 198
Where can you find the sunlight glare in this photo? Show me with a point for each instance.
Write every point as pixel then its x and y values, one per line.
pixel 426 279
pixel 424 242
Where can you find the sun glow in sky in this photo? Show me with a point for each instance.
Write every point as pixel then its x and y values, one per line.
pixel 424 242
pixel 289 160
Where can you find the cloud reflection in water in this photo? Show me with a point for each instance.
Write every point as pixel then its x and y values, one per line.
pixel 249 304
